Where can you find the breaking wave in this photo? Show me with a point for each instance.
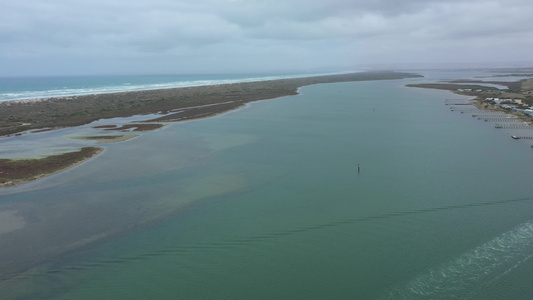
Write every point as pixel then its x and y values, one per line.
pixel 52 91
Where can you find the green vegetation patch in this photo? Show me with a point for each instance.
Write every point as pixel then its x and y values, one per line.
pixel 14 171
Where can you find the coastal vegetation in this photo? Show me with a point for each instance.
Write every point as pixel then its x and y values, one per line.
pixel 518 95
pixel 173 105
pixel 521 89
pixel 14 171
pixel 22 115
pixel 192 103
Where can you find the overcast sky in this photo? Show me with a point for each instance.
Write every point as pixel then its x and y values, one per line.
pixel 54 37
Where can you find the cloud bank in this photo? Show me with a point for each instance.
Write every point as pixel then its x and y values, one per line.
pixel 204 36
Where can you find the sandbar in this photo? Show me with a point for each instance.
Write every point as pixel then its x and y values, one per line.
pixel 107 139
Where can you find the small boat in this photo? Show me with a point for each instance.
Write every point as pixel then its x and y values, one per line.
pixel 515 137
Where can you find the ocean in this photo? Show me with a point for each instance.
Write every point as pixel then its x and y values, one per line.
pixel 18 88
pixel 267 202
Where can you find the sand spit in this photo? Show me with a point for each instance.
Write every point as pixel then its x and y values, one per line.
pixel 22 115
pixel 137 127
pixel 107 139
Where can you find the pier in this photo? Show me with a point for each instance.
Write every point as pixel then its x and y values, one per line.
pixel 513 126
pixel 456 102
pixel 501 119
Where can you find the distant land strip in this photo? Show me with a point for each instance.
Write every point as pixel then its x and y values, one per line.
pixel 520 91
pixel 21 115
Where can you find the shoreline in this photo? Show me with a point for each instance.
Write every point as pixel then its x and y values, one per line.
pixel 23 232
pixel 22 115
pixel 521 90
pixel 18 171
pixel 174 105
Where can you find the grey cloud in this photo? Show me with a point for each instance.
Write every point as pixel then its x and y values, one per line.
pixel 223 34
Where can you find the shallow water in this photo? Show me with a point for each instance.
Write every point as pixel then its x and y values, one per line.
pixel 266 203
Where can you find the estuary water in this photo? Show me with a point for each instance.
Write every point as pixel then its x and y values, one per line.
pixel 267 202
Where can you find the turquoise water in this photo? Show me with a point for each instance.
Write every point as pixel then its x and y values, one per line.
pixel 266 203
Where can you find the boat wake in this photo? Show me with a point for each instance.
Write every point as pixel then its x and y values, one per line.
pixel 467 275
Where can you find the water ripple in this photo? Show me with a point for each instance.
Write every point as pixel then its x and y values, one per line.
pixel 468 274
pixel 499 244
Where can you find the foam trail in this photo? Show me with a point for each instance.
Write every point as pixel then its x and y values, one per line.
pixel 466 275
